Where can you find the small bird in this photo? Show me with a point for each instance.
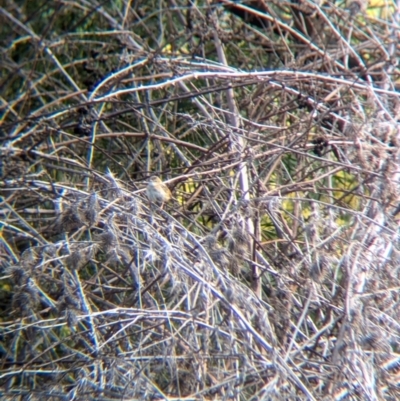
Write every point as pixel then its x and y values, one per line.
pixel 157 191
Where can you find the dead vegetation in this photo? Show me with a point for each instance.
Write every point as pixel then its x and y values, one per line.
pixel 273 274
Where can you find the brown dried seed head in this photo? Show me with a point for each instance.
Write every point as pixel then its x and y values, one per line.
pixel 220 256
pixel 319 269
pixel 19 275
pixel 234 266
pixel 108 240
pixel 71 219
pixel 92 210
pixel 210 242
pixel 73 261
pixel 239 241
pixel 241 235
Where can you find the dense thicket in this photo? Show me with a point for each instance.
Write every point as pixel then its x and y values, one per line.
pixel 274 272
